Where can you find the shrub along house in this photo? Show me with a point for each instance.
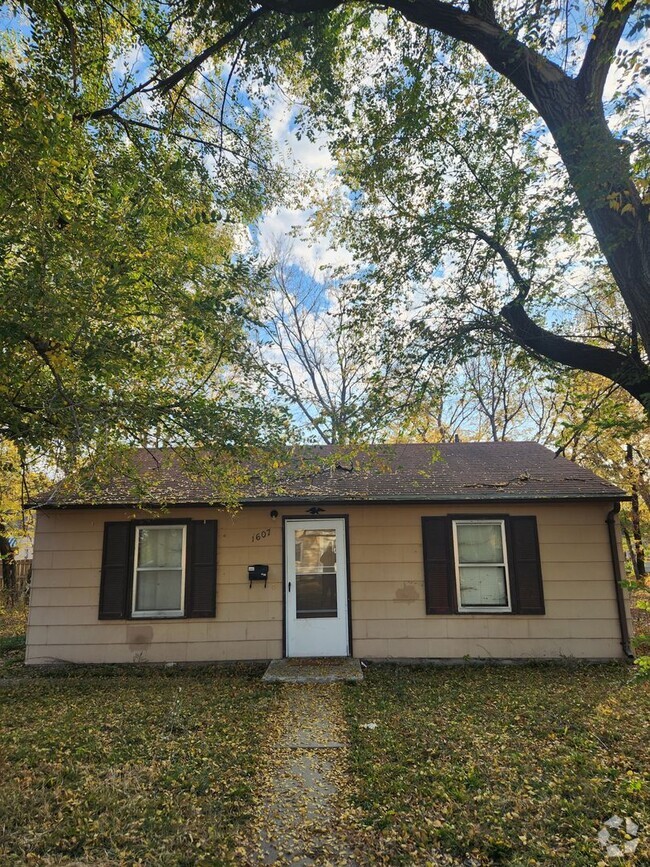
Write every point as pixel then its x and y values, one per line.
pixel 491 550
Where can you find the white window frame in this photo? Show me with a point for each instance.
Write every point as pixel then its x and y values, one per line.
pixel 482 609
pixel 172 613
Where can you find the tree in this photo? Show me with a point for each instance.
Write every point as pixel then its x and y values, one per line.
pixel 313 42
pixel 324 46
pixel 495 395
pixel 605 430
pixel 567 93
pixel 17 480
pixel 123 281
pixel 349 376
pixel 340 375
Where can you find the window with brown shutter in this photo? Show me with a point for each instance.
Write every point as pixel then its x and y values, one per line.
pixel 439 590
pixel 482 564
pixel 158 569
pixel 117 558
pixel 526 567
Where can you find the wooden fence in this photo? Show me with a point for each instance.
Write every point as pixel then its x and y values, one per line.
pixel 15 577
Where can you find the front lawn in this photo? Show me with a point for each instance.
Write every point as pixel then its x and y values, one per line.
pixel 13 621
pixel 148 767
pixel 492 765
pixel 516 766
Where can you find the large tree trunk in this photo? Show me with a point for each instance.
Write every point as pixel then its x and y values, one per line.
pixel 600 174
pixel 599 170
pixel 597 162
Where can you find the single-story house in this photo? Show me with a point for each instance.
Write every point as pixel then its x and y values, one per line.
pixel 461 550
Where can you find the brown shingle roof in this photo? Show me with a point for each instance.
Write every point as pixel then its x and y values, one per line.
pixel 448 472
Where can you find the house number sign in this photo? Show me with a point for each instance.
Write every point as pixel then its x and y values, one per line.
pixel 262 534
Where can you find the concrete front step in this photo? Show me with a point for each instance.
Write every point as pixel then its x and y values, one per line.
pixel 321 670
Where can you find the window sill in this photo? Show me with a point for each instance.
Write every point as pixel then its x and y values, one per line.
pixel 155 615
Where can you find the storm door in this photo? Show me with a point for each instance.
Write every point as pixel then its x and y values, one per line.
pixel 316 587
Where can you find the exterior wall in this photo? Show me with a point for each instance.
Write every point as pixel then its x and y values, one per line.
pixel 387 590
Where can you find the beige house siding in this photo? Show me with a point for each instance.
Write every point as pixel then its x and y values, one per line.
pixel 387 591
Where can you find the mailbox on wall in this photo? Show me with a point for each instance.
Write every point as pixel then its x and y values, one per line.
pixel 258 573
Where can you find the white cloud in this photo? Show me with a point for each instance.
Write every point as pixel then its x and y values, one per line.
pixel 311 163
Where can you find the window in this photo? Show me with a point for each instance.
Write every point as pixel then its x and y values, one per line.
pixel 159 571
pixel 316 573
pixel 482 582
pixel 469 568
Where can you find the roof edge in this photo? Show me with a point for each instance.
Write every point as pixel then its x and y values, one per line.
pixel 378 501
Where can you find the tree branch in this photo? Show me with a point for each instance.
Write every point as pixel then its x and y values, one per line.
pixel 72 37
pixel 602 45
pixel 527 69
pixel 127 122
pixel 164 85
pixel 43 349
pixel 522 284
pixel 625 369
pixel 613 365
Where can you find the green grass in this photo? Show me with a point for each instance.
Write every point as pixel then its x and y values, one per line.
pixel 145 767
pixel 516 766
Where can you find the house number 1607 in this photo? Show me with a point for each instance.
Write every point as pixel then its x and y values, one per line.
pixel 256 537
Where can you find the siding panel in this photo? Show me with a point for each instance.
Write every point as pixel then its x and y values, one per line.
pixel 387 578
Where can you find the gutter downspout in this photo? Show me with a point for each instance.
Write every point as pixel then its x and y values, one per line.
pixel 618 578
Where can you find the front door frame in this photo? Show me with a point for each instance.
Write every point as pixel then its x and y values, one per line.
pixel 323 517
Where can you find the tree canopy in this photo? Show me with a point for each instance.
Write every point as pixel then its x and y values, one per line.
pixel 124 272
pixel 405 88
pixel 483 164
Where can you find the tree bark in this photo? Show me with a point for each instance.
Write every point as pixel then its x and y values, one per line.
pixel 638 553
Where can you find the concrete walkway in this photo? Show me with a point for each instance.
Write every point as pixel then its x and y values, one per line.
pixel 303 783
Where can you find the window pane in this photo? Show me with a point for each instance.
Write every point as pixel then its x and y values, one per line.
pixel 160 547
pixel 315 551
pixel 316 595
pixel 159 590
pixel 483 585
pixel 479 543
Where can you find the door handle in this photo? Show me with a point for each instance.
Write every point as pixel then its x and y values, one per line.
pixel 289 586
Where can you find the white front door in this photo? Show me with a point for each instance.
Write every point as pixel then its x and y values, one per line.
pixel 316 587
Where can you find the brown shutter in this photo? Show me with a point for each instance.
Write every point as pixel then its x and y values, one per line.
pixel 117 562
pixel 439 583
pixel 201 592
pixel 525 566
